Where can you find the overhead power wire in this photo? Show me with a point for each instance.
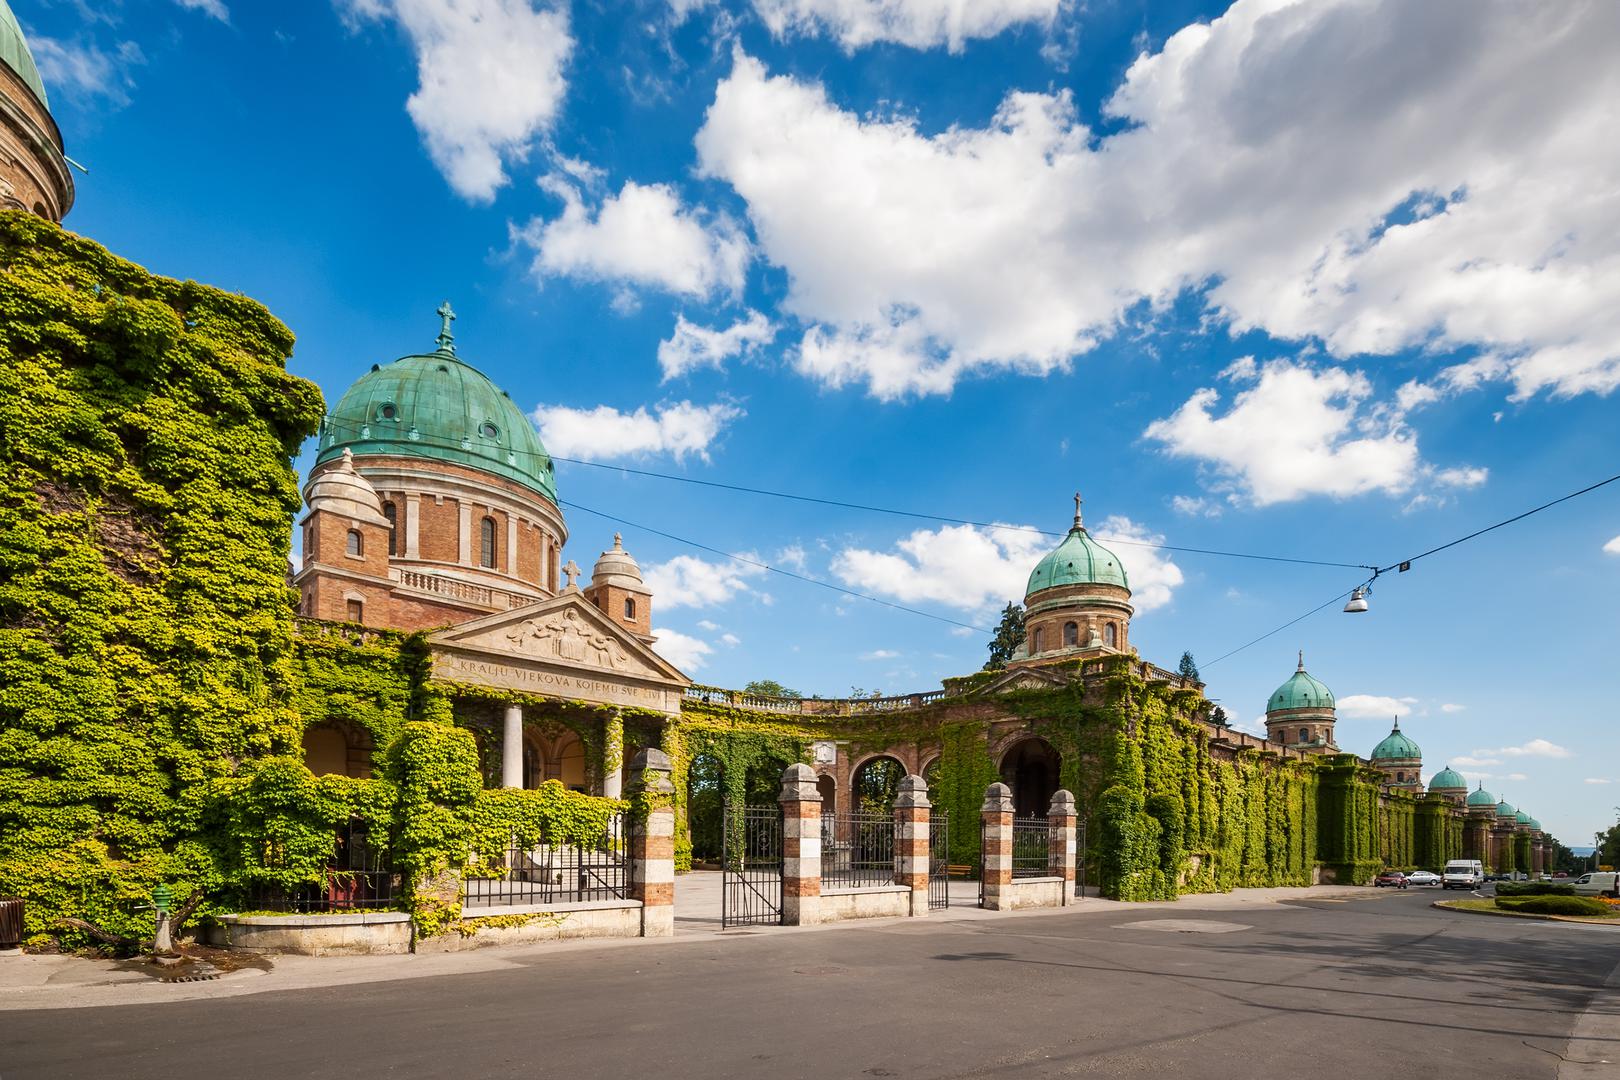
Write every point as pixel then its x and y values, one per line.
pixel 867 508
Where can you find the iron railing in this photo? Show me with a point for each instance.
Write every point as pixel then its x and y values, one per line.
pixel 1080 857
pixel 1031 847
pixel 358 875
pixel 751 885
pixel 857 850
pixel 939 861
pixel 554 873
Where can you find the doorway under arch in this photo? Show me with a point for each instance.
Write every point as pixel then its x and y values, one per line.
pixel 1031 767
pixel 705 801
pixel 875 785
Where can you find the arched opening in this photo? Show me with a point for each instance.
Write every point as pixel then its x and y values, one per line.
pixel 1031 768
pixel 630 608
pixel 338 749
pixel 486 543
pixel 1035 641
pixel 930 775
pixel 571 762
pixel 1110 636
pixel 534 761
pixel 762 783
pixel 1304 734
pixel 392 514
pixel 356 544
pixel 875 784
pixel 827 787
pixel 1071 634
pixel 705 798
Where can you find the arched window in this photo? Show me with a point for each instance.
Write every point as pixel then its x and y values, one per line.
pixel 630 608
pixel 486 543
pixel 1304 734
pixel 1400 778
pixel 357 546
pixel 1110 636
pixel 1071 634
pixel 1036 647
pixel 392 515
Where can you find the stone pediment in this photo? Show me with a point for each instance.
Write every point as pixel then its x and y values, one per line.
pixel 563 646
pixel 1022 679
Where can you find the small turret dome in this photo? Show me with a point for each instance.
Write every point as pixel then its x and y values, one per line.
pixel 344 491
pixel 1505 810
pixel 1396 746
pixel 1522 818
pixel 1481 797
pixel 435 405
pixel 1301 691
pixel 1448 779
pixel 617 566
pixel 1078 560
pixel 1536 825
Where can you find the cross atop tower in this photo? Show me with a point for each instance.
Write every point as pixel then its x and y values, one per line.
pixel 571 571
pixel 1077 523
pixel 447 340
pixel 1301 661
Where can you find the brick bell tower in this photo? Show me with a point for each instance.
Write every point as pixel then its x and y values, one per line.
pixel 619 593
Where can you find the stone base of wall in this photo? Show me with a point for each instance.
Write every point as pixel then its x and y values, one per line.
pixel 367 933
pixel 870 902
pixel 1027 893
pixel 528 924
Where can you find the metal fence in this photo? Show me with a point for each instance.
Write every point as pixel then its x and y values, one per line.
pixel 357 876
pixel 1031 847
pixel 939 861
pixel 857 850
pixel 1080 857
pixel 549 873
pixel 751 854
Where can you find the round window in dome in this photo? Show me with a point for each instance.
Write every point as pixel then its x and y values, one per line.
pixel 388 411
pixel 488 430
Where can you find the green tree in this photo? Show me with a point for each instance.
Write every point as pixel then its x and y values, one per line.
pixel 1009 635
pixel 1218 717
pixel 770 688
pixel 1189 668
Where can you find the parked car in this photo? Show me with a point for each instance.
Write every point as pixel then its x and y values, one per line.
pixel 1561 874
pixel 1423 877
pixel 1464 874
pixel 1393 879
pixel 1603 883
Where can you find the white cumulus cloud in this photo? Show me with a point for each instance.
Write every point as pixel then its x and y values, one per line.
pixel 921 24
pixel 643 236
pixel 214 9
pixel 692 346
pixel 86 72
pixel 491 78
pixel 1373 175
pixel 1374 707
pixel 688 581
pixel 684 651
pixel 1533 748
pixel 679 429
pixel 1613 546
pixel 1450 707
pixel 1154 577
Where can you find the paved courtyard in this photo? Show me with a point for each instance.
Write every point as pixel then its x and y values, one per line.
pixel 1340 983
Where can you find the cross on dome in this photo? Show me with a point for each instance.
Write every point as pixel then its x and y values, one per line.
pixel 1301 661
pixel 447 340
pixel 1077 522
pixel 571 571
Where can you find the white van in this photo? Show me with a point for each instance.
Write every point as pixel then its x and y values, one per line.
pixel 1463 874
pixel 1599 884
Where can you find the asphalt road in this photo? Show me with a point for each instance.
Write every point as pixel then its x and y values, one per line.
pixel 1376 986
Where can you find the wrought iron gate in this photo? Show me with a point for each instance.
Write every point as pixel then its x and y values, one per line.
pixel 751 854
pixel 1080 857
pixel 939 861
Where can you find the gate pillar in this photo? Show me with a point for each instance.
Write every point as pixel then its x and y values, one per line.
pixel 1060 861
pixel 652 842
pixel 911 840
pixel 801 846
pixel 996 818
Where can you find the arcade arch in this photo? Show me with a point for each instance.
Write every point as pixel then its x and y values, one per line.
pixel 1031 768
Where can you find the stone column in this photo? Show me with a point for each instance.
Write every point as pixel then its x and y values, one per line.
pixel 613 755
pixel 512 747
pixel 801 846
pixel 413 526
pixel 996 816
pixel 912 833
pixel 652 842
pixel 464 552
pixel 1060 861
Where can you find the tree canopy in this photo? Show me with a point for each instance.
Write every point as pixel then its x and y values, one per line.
pixel 1009 635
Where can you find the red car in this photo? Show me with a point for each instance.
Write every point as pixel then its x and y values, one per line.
pixel 1392 878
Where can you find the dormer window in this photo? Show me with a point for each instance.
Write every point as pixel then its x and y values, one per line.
pixel 488 430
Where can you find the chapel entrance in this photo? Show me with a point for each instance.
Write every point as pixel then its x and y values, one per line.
pixel 1031 767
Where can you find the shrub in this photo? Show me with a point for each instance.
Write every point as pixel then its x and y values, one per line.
pixel 1554 905
pixel 1533 888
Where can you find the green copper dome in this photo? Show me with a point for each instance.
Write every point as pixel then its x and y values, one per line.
pixel 1504 810
pixel 1447 778
pixel 1396 746
pixel 1481 797
pixel 436 406
pixel 1301 691
pixel 1536 825
pixel 1079 560
pixel 14 51
pixel 1522 818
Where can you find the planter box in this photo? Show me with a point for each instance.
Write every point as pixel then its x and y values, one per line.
pixel 360 933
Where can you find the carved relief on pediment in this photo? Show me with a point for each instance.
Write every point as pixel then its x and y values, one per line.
pixel 566 636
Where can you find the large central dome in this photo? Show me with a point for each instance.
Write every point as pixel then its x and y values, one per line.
pixel 1079 560
pixel 434 405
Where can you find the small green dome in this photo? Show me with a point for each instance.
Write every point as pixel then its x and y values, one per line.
pixel 1396 746
pixel 1079 560
pixel 436 406
pixel 1504 810
pixel 1522 818
pixel 15 52
pixel 1481 797
pixel 1534 824
pixel 1448 779
pixel 1301 691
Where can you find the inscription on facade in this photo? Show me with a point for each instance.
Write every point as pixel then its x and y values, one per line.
pixel 562 684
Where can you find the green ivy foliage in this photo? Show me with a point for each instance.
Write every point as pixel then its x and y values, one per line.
pixel 147 428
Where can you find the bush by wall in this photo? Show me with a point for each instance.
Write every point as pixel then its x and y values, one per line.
pixel 1554 905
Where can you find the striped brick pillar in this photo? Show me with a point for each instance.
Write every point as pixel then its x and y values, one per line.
pixel 652 842
pixel 801 846
pixel 996 816
pixel 911 840
pixel 1060 860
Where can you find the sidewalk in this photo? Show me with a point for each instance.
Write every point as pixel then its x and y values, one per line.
pixel 68 982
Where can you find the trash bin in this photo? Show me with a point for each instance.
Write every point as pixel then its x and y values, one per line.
pixel 11 924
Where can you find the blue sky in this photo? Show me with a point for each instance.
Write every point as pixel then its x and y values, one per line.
pixel 1333 281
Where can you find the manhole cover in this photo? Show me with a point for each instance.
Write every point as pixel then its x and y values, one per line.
pixel 1186 926
pixel 192 973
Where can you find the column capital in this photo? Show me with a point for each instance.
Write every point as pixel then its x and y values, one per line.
pixel 913 793
pixel 799 785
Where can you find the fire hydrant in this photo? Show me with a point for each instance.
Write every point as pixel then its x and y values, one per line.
pixel 163 938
